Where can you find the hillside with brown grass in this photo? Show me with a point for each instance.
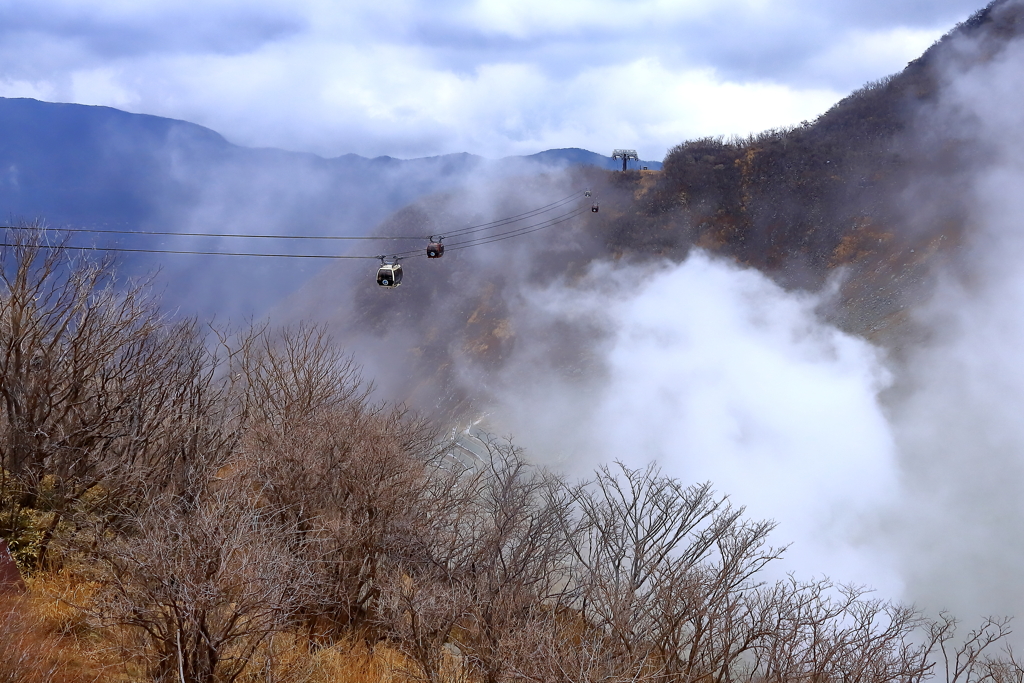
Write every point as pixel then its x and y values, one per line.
pixel 211 504
pixel 233 505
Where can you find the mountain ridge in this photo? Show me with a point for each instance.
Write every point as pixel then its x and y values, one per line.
pixel 94 166
pixel 871 197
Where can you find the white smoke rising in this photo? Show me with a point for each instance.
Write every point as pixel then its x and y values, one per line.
pixel 904 474
pixel 718 374
pixel 959 415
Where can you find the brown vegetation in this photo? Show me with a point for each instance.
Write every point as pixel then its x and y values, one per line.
pixel 238 508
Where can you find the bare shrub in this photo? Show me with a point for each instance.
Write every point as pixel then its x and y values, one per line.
pixel 345 472
pixel 95 385
pixel 975 658
pixel 819 631
pixel 487 564
pixel 349 483
pixel 660 567
pixel 287 376
pixel 517 568
pixel 199 587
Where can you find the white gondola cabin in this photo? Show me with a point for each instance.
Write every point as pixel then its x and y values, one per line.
pixel 389 274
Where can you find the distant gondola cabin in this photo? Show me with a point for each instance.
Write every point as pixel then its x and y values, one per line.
pixel 389 275
pixel 594 208
pixel 435 250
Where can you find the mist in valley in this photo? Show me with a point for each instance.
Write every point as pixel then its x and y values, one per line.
pixel 894 463
pixel 847 369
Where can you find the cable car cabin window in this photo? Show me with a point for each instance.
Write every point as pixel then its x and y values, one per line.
pixel 389 275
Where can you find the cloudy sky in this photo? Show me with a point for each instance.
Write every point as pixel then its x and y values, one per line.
pixel 412 78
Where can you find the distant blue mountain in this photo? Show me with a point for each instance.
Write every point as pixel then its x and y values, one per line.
pixel 84 166
pixel 575 156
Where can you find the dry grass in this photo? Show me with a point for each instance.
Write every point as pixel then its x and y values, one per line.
pixel 55 614
pixel 32 649
pixel 357 663
pixel 47 636
pixel 288 659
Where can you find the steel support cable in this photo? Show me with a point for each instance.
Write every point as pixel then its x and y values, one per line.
pixel 525 228
pixel 193 253
pixel 460 245
pixel 473 228
pixel 511 219
pixel 486 239
pixel 104 231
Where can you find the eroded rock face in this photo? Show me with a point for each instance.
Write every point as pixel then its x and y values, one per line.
pixel 10 576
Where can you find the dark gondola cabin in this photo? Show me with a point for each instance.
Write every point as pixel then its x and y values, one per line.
pixel 389 275
pixel 435 250
pixel 586 193
pixel 594 208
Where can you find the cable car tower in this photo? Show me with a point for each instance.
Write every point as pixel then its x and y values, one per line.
pixel 625 155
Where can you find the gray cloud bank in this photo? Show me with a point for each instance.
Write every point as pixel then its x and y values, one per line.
pixel 414 79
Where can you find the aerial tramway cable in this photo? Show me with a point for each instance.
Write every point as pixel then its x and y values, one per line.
pixel 471 237
pixel 197 253
pixel 454 233
pixel 105 231
pixel 511 219
pixel 486 239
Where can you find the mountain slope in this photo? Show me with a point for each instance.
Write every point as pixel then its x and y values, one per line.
pixel 84 166
pixel 875 190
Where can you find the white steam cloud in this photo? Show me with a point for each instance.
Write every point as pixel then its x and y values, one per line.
pixel 904 474
pixel 959 415
pixel 719 374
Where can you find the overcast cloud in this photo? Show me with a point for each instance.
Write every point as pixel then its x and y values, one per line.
pixel 412 78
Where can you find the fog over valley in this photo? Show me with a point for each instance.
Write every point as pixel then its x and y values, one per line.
pixel 860 392
pixel 818 321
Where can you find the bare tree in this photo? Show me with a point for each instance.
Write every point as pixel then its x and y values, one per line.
pixel 818 631
pixel 92 379
pixel 352 488
pixel 347 472
pixel 200 585
pixel 426 593
pixel 973 660
pixel 662 566
pixel 287 376
pixel 702 621
pixel 518 562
